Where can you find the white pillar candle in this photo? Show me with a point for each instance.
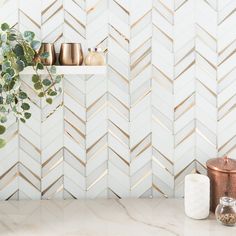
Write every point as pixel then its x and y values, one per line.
pixel 197 196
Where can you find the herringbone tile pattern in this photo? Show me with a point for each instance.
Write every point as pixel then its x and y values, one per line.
pixel 166 105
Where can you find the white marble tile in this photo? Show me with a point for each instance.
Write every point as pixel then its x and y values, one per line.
pixel 143 217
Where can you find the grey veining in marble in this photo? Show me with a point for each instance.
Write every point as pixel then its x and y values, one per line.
pixel 127 217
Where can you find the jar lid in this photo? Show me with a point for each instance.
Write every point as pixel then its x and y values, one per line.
pixel 227 201
pixel 224 164
pixel 94 49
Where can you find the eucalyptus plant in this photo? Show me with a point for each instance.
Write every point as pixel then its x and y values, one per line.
pixel 18 51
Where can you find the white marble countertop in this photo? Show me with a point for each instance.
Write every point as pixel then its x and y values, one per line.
pixel 127 217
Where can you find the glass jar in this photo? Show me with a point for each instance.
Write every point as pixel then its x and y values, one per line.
pixel 94 57
pixel 226 211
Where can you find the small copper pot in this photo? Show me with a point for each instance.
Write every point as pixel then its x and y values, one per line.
pixel 222 174
pixel 71 54
pixel 51 59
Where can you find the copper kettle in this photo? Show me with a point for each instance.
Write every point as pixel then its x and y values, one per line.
pixel 222 174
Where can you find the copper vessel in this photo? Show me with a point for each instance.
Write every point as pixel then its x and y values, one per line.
pixel 51 59
pixel 222 174
pixel 71 54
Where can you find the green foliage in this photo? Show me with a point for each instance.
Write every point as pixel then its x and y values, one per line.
pixel 25 106
pixel 22 120
pixel 23 95
pixel 58 79
pixel 20 65
pixel 35 44
pixel 5 27
pixel 3 119
pixel 41 94
pixel 53 70
pixel 38 85
pixel 47 82
pixel 27 115
pixel 49 100
pixel 2 129
pixel 52 93
pixel 39 66
pixel 18 51
pixel 29 36
pixel 44 55
pixel 2 143
pixel 35 78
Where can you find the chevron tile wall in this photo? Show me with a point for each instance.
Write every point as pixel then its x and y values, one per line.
pixel 166 105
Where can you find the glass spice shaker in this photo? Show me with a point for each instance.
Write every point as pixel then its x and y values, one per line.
pixel 226 211
pixel 94 57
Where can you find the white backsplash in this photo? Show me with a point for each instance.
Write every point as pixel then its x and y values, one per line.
pixel 166 105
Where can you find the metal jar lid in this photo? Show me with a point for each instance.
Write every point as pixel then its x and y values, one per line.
pixel 94 49
pixel 225 164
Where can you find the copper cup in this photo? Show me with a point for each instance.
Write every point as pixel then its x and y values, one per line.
pixel 71 54
pixel 51 59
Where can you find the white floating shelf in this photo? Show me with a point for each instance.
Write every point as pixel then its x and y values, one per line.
pixel 70 70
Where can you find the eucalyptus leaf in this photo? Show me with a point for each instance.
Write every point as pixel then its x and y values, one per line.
pixel 3 109
pixel 49 100
pixel 27 115
pixel 22 120
pixel 35 78
pixel 18 50
pixel 9 98
pixel 20 65
pixel 46 82
pixel 12 37
pixel 44 55
pixel 59 90
pixel 4 37
pixel 53 69
pixel 10 71
pixel 25 106
pixel 52 93
pixel 6 48
pixel 1 57
pixel 6 64
pixel 2 129
pixel 39 66
pixel 58 79
pixel 2 143
pixel 3 119
pixel 29 54
pixel 29 35
pixel 22 95
pixel 41 94
pixel 14 109
pixel 35 44
pixel 5 26
pixel 38 86
pixel 7 77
